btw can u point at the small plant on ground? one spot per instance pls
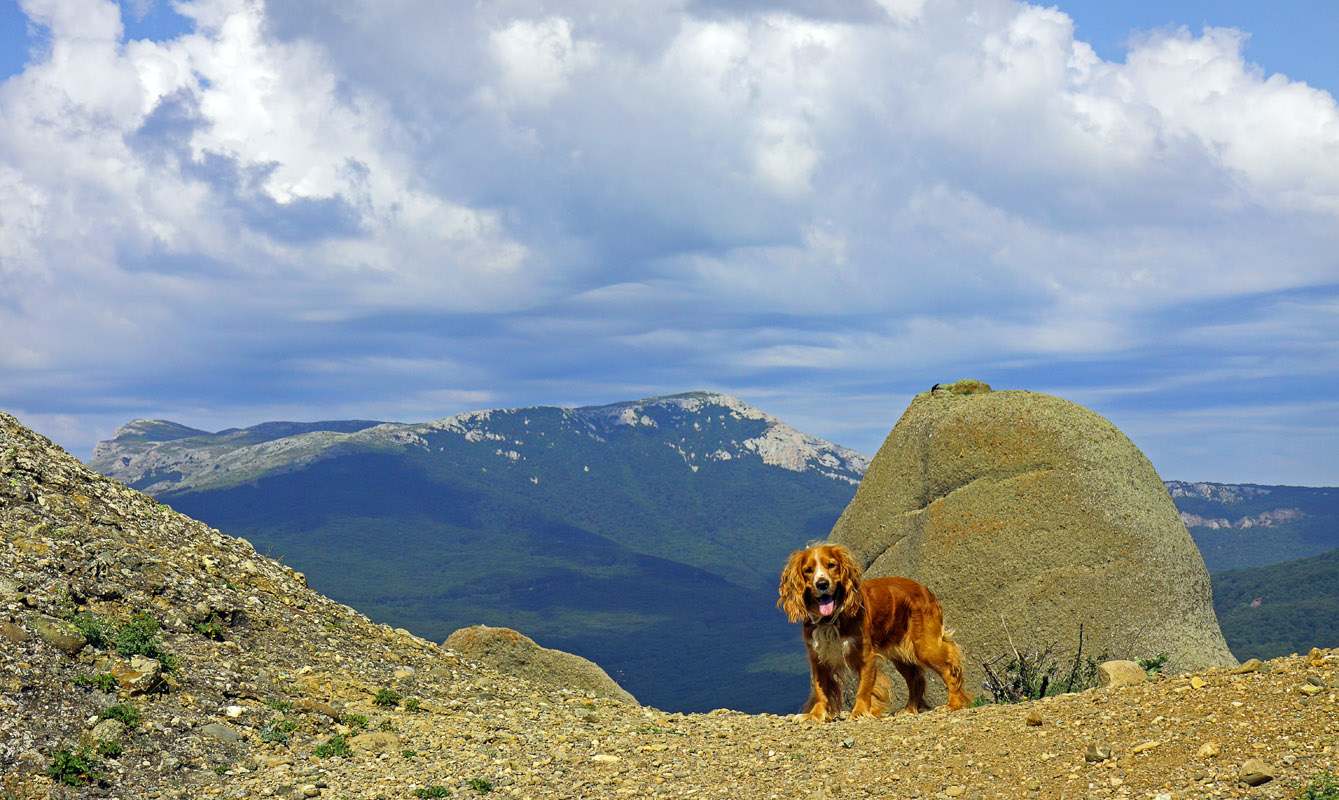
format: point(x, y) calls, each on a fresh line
point(335, 746)
point(479, 785)
point(386, 725)
point(97, 630)
point(139, 636)
point(411, 704)
point(281, 705)
point(408, 753)
point(437, 790)
point(658, 729)
point(74, 767)
point(387, 697)
point(277, 731)
point(1034, 673)
point(124, 712)
point(109, 748)
point(210, 628)
point(1152, 666)
point(1324, 786)
point(353, 720)
point(104, 681)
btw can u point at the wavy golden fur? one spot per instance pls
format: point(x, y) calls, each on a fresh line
point(850, 623)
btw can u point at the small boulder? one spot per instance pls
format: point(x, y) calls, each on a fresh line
point(107, 730)
point(310, 706)
point(1096, 752)
point(1120, 673)
point(376, 742)
point(13, 632)
point(1251, 665)
point(513, 653)
point(220, 732)
point(60, 634)
point(138, 675)
point(1255, 772)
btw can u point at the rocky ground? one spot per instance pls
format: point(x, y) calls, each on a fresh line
point(255, 686)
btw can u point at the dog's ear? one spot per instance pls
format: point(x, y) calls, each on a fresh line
point(792, 587)
point(848, 574)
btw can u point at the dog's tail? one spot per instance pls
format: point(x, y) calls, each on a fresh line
point(954, 653)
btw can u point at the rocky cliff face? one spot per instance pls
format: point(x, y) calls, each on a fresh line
point(1028, 515)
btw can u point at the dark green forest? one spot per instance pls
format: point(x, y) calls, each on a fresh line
point(1279, 609)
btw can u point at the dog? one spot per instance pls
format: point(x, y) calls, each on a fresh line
point(850, 623)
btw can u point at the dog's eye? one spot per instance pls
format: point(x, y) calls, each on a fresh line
point(832, 565)
point(808, 570)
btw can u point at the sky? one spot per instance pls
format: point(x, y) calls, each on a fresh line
point(223, 212)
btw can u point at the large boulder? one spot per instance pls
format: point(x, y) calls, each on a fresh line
point(1028, 516)
point(512, 653)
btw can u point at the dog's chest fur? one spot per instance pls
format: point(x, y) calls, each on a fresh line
point(830, 646)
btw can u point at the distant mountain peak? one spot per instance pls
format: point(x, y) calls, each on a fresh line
point(702, 427)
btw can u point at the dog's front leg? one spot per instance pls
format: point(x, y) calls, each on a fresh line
point(870, 701)
point(825, 692)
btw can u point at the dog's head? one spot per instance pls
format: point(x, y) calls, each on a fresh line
point(820, 582)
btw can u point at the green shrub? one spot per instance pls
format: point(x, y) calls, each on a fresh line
point(109, 748)
point(210, 629)
point(354, 720)
point(479, 785)
point(276, 731)
point(1153, 665)
point(1034, 673)
point(387, 697)
point(1324, 786)
point(74, 767)
point(335, 746)
point(124, 712)
point(139, 637)
point(411, 704)
point(104, 681)
point(98, 631)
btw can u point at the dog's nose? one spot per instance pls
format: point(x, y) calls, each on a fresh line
point(821, 584)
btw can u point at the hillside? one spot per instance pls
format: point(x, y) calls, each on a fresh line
point(273, 693)
point(641, 535)
point(1248, 525)
point(1281, 608)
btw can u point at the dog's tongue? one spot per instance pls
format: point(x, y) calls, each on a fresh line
point(825, 606)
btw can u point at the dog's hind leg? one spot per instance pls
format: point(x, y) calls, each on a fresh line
point(945, 658)
point(915, 678)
